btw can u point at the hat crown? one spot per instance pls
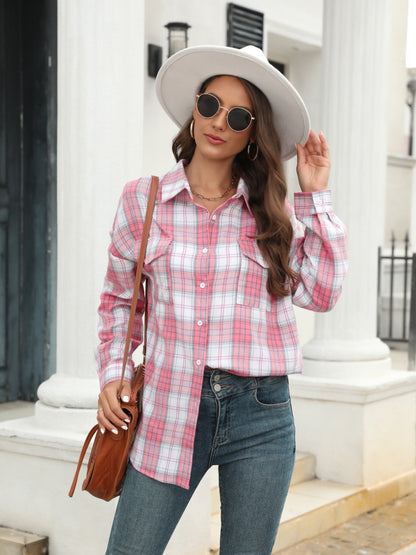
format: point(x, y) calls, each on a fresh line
point(255, 52)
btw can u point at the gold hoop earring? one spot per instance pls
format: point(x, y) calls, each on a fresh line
point(250, 155)
point(191, 129)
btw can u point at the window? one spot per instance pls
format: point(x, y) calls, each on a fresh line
point(244, 27)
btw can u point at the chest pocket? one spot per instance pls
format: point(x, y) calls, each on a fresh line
point(156, 266)
point(252, 280)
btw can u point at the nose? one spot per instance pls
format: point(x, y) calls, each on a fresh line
point(220, 119)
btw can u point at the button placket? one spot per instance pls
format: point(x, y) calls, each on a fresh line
point(202, 292)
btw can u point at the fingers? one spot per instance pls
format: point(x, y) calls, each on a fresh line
point(110, 415)
point(125, 392)
point(300, 153)
point(316, 145)
point(313, 163)
point(313, 145)
point(324, 145)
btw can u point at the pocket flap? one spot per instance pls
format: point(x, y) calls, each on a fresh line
point(156, 246)
point(250, 248)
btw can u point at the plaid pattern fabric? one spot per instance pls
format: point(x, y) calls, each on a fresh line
point(208, 304)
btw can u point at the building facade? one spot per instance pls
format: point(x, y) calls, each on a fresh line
point(109, 129)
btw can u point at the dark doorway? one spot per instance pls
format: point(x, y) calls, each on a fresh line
point(28, 115)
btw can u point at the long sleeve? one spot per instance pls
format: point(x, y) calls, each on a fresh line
point(319, 251)
point(117, 292)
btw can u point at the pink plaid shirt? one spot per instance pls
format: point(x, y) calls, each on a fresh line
point(208, 304)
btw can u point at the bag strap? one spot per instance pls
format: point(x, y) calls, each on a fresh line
point(87, 441)
point(146, 228)
point(145, 235)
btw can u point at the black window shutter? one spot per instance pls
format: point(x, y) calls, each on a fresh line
point(279, 66)
point(244, 27)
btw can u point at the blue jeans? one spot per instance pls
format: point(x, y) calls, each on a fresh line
point(245, 426)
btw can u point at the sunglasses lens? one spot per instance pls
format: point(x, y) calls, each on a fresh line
point(207, 105)
point(239, 119)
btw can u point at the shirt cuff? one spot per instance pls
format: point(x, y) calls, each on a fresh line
point(307, 204)
point(113, 372)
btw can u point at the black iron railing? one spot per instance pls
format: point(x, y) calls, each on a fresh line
point(397, 320)
point(412, 326)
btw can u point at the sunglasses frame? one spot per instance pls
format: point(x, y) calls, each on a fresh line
point(228, 110)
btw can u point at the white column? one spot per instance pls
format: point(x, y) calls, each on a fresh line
point(354, 118)
point(349, 405)
point(101, 71)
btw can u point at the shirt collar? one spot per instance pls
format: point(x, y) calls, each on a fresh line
point(175, 181)
point(242, 191)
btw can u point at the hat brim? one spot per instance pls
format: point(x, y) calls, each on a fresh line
point(181, 76)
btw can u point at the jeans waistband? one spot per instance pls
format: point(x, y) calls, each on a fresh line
point(221, 383)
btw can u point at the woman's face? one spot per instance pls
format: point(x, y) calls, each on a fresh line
point(213, 137)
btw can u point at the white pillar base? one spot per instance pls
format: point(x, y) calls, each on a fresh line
point(65, 390)
point(362, 431)
point(67, 403)
point(37, 465)
point(76, 420)
point(334, 369)
point(332, 358)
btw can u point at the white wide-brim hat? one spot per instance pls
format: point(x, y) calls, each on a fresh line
point(180, 78)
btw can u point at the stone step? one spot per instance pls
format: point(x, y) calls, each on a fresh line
point(16, 409)
point(305, 468)
point(16, 542)
point(314, 507)
point(317, 506)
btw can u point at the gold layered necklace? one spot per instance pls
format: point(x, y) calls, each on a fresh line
point(225, 193)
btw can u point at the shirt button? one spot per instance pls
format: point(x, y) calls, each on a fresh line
point(214, 217)
point(217, 387)
point(202, 285)
point(205, 250)
point(198, 362)
point(200, 322)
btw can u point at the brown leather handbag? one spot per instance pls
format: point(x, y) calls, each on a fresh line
point(110, 452)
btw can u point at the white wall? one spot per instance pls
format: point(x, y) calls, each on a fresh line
point(397, 109)
point(400, 198)
point(400, 177)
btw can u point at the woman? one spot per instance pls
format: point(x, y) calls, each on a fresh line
point(227, 259)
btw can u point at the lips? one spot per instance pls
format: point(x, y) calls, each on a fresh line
point(214, 140)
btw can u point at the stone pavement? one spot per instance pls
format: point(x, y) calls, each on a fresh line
point(386, 530)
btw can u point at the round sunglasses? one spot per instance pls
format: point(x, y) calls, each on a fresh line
point(238, 118)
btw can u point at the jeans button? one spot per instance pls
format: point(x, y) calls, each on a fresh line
point(217, 378)
point(217, 387)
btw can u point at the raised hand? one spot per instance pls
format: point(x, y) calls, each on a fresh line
point(314, 163)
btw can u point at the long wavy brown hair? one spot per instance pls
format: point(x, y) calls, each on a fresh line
point(266, 183)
